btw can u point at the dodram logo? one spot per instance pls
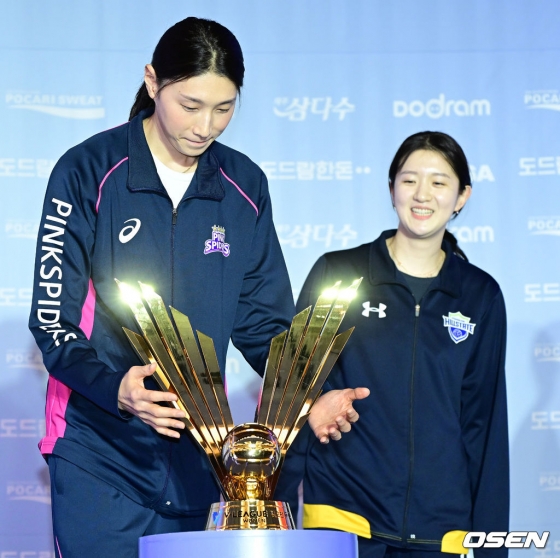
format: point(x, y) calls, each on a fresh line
point(473, 234)
point(80, 107)
point(440, 106)
point(459, 542)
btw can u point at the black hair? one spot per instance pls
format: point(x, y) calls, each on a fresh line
point(451, 151)
point(190, 48)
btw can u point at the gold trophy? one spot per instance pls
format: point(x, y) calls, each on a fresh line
point(246, 459)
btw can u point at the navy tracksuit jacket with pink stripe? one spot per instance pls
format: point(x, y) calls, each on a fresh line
point(106, 215)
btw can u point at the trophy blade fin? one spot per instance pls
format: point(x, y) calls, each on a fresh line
point(143, 351)
point(194, 405)
point(289, 355)
point(323, 345)
point(200, 378)
point(270, 377)
point(214, 389)
point(303, 408)
point(164, 326)
point(175, 350)
point(311, 336)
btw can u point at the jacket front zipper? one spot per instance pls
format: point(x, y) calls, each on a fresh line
point(173, 223)
point(404, 534)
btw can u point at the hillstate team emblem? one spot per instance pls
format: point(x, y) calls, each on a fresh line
point(459, 326)
point(218, 242)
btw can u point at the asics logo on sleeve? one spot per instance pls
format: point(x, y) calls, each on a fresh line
point(129, 232)
point(380, 311)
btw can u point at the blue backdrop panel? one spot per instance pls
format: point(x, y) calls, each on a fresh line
point(332, 89)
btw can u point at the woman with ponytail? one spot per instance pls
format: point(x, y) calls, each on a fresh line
point(430, 453)
point(156, 200)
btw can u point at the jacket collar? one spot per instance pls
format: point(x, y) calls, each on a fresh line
point(142, 173)
point(382, 269)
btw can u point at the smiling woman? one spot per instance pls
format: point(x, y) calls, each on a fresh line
point(430, 453)
point(430, 183)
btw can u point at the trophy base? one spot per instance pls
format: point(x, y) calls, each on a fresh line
point(250, 514)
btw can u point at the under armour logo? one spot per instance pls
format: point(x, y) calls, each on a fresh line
point(129, 232)
point(368, 309)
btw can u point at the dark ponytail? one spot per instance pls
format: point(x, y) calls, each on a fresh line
point(450, 237)
point(141, 101)
point(451, 151)
point(189, 48)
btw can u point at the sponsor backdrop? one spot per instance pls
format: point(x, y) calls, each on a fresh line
point(332, 89)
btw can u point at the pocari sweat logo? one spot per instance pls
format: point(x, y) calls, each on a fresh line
point(440, 106)
point(548, 99)
point(547, 352)
point(549, 226)
point(21, 228)
point(80, 107)
point(27, 553)
point(24, 358)
point(30, 491)
point(549, 481)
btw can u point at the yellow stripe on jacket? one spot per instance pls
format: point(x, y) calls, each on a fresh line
point(319, 516)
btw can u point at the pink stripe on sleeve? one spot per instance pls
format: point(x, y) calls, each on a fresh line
point(55, 424)
point(88, 311)
point(104, 179)
point(58, 393)
point(240, 190)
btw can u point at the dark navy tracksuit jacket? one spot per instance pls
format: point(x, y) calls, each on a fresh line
point(429, 453)
point(106, 215)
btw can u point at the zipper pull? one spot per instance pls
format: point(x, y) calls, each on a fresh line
point(174, 221)
point(417, 310)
